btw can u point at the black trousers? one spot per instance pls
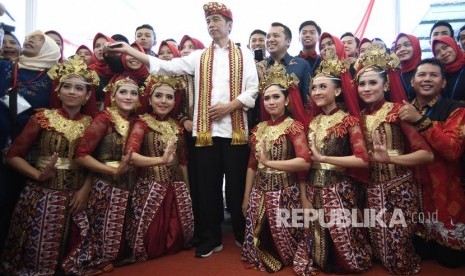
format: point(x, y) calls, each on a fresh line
point(214, 162)
point(193, 182)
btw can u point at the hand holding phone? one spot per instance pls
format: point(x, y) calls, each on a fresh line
point(115, 45)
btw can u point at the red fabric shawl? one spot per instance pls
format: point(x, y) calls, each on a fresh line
point(197, 43)
point(173, 48)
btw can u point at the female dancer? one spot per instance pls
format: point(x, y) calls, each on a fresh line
point(48, 222)
point(162, 220)
point(392, 193)
point(101, 151)
point(278, 162)
point(337, 144)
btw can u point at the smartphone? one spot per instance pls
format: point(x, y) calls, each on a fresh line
point(116, 45)
point(258, 54)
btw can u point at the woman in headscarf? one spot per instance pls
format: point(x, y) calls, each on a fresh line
point(189, 44)
point(278, 164)
point(364, 43)
point(446, 50)
point(186, 46)
point(49, 220)
point(56, 36)
point(101, 66)
point(11, 47)
point(85, 53)
point(161, 220)
point(136, 71)
point(133, 68)
point(168, 51)
point(332, 45)
point(408, 50)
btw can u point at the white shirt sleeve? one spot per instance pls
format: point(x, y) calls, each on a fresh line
point(250, 81)
point(176, 66)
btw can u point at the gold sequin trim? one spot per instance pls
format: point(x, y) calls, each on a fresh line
point(71, 129)
point(322, 123)
point(168, 129)
point(271, 134)
point(372, 122)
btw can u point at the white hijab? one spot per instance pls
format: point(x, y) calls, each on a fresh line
point(48, 55)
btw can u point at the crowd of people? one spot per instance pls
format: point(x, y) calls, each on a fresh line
point(348, 153)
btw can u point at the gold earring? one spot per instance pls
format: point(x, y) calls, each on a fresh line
point(136, 106)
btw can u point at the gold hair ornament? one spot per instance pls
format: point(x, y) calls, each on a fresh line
point(175, 82)
point(114, 86)
point(376, 55)
point(277, 75)
point(331, 67)
point(73, 68)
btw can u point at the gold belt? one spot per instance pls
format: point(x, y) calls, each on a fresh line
point(393, 152)
point(113, 164)
point(264, 169)
point(61, 164)
point(327, 166)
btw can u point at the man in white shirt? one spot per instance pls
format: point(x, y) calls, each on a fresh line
point(226, 86)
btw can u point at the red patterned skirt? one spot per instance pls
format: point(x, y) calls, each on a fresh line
point(42, 231)
point(393, 243)
point(161, 219)
point(106, 210)
point(350, 251)
point(268, 245)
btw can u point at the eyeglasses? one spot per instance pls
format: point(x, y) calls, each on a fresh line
point(35, 38)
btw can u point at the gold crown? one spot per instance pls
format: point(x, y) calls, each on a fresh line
point(376, 55)
point(114, 86)
point(154, 81)
point(331, 66)
point(73, 67)
point(277, 75)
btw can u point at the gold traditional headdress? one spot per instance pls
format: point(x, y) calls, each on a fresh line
point(277, 75)
point(73, 68)
point(112, 87)
point(331, 67)
point(154, 81)
point(217, 8)
point(376, 55)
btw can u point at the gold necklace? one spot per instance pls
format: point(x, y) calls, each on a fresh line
point(168, 129)
point(120, 123)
